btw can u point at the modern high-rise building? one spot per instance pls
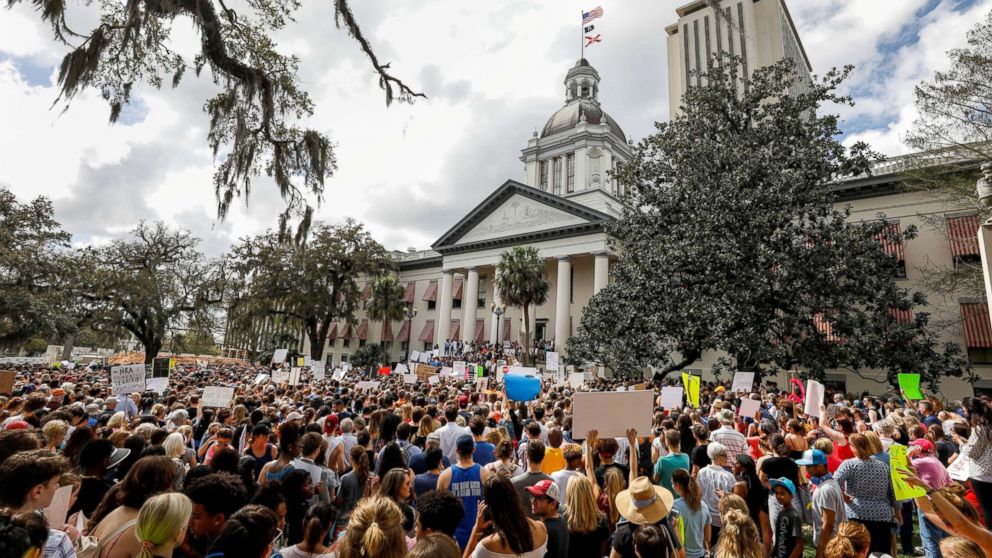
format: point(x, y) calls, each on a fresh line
point(760, 32)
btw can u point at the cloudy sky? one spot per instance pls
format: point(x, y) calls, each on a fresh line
point(493, 72)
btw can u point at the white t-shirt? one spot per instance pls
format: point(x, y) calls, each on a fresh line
point(295, 552)
point(827, 496)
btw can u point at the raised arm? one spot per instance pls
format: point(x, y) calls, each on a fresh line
point(590, 471)
point(952, 516)
point(632, 442)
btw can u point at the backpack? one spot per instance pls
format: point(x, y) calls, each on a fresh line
point(90, 547)
point(407, 453)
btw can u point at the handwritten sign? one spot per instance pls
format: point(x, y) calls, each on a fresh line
point(551, 361)
point(279, 356)
point(7, 381)
point(280, 376)
point(217, 396)
point(409, 378)
point(262, 376)
point(898, 465)
point(576, 379)
point(127, 379)
point(743, 382)
point(294, 376)
point(415, 356)
point(338, 375)
point(425, 357)
point(158, 385)
point(748, 407)
point(632, 409)
point(433, 380)
point(401, 369)
point(458, 368)
point(319, 370)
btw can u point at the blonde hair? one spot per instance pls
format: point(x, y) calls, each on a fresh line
point(375, 529)
point(825, 445)
point(850, 541)
point(427, 426)
point(861, 446)
point(583, 514)
point(874, 442)
point(435, 545)
point(614, 483)
point(117, 420)
point(731, 502)
point(175, 445)
point(738, 537)
point(960, 547)
point(160, 520)
point(54, 431)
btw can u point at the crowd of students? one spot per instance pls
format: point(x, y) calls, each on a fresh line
point(324, 469)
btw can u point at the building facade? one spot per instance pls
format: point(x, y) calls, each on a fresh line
point(566, 197)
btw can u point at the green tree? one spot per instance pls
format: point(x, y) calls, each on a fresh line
point(385, 302)
point(520, 282)
point(253, 120)
point(731, 243)
point(33, 276)
point(308, 283)
point(371, 354)
point(149, 283)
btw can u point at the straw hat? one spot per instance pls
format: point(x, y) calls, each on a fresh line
point(644, 503)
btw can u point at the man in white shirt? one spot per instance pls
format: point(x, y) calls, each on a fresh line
point(573, 468)
point(347, 440)
point(827, 499)
point(734, 441)
point(450, 433)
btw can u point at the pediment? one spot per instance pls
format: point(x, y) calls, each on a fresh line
point(516, 211)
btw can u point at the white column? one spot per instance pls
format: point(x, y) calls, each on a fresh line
point(601, 273)
point(443, 309)
point(470, 301)
point(496, 322)
point(563, 302)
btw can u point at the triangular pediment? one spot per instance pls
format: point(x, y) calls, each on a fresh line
point(516, 211)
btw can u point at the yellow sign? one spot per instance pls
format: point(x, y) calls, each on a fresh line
point(300, 361)
point(899, 463)
point(691, 384)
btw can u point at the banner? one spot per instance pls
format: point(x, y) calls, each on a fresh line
point(899, 464)
point(814, 398)
point(551, 361)
point(910, 385)
point(409, 378)
point(671, 397)
point(279, 356)
point(216, 396)
point(632, 409)
point(743, 382)
point(691, 384)
point(127, 379)
point(280, 377)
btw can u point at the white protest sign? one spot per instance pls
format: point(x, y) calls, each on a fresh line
point(158, 385)
point(409, 378)
point(57, 511)
point(294, 376)
point(633, 409)
point(446, 371)
point(814, 398)
point(551, 361)
point(401, 369)
point(425, 358)
point(307, 361)
point(280, 376)
point(622, 389)
point(433, 379)
point(415, 356)
point(748, 407)
point(338, 375)
point(318, 369)
point(346, 366)
point(279, 356)
point(743, 382)
point(367, 384)
point(576, 378)
point(127, 379)
point(458, 368)
point(436, 353)
point(481, 383)
point(216, 396)
point(262, 376)
point(671, 397)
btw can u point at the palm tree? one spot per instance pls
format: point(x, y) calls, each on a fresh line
point(386, 300)
point(520, 283)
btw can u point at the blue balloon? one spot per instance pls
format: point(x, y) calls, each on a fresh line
point(522, 387)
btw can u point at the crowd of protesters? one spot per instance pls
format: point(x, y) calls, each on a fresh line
point(454, 468)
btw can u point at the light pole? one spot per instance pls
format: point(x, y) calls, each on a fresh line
point(498, 311)
point(410, 312)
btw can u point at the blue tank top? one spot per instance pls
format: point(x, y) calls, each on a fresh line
point(269, 476)
point(467, 485)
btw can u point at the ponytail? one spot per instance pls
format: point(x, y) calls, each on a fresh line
point(318, 521)
point(850, 541)
point(690, 488)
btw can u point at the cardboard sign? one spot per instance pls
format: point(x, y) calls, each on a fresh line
point(576, 379)
point(743, 382)
point(158, 385)
point(217, 396)
point(425, 371)
point(409, 378)
point(262, 376)
point(127, 379)
point(899, 464)
point(671, 397)
point(415, 356)
point(280, 376)
point(551, 361)
point(433, 380)
point(294, 376)
point(458, 368)
point(57, 511)
point(632, 409)
point(7, 381)
point(638, 387)
point(910, 385)
point(814, 398)
point(279, 356)
point(748, 407)
point(319, 370)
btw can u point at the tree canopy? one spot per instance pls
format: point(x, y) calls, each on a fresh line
point(730, 243)
point(520, 282)
point(254, 121)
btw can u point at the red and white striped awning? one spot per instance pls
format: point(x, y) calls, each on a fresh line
point(431, 294)
point(363, 330)
point(427, 334)
point(456, 289)
point(825, 327)
point(963, 234)
point(901, 316)
point(891, 247)
point(404, 335)
point(411, 293)
point(345, 331)
point(454, 330)
point(977, 329)
point(332, 334)
point(387, 331)
point(480, 330)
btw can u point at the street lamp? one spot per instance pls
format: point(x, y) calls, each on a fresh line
point(410, 312)
point(498, 311)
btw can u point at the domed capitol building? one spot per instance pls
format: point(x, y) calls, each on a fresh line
point(566, 196)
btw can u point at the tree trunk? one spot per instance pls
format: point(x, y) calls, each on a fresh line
point(687, 358)
point(152, 347)
point(316, 344)
point(526, 336)
point(67, 347)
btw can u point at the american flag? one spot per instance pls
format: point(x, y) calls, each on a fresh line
point(595, 13)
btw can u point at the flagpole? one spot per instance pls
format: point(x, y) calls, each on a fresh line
point(582, 37)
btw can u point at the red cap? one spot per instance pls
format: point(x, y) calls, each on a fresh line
point(17, 425)
point(547, 488)
point(463, 400)
point(926, 446)
point(330, 424)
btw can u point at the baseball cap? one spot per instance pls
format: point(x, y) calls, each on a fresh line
point(17, 425)
point(926, 446)
point(546, 488)
point(784, 482)
point(463, 400)
point(465, 444)
point(434, 436)
point(812, 457)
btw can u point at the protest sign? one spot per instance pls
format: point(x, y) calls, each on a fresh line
point(436, 353)
point(280, 376)
point(367, 384)
point(415, 356)
point(346, 366)
point(262, 376)
point(458, 368)
point(632, 409)
point(424, 371)
point(899, 464)
point(501, 371)
point(385, 370)
point(432, 380)
point(481, 384)
point(425, 358)
point(637, 387)
point(307, 361)
point(576, 379)
point(58, 510)
point(319, 369)
point(294, 376)
point(409, 378)
point(480, 371)
point(338, 375)
point(158, 385)
point(691, 384)
point(447, 371)
point(522, 386)
point(300, 362)
point(743, 382)
point(7, 381)
point(279, 356)
point(401, 369)
point(551, 361)
point(671, 397)
point(748, 407)
point(161, 367)
point(127, 379)
point(217, 396)
point(910, 385)
point(814, 398)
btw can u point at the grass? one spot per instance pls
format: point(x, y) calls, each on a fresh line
point(809, 550)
